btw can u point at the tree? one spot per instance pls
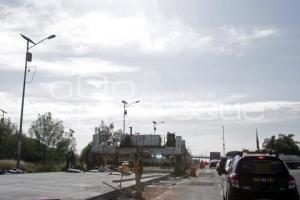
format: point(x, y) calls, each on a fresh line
point(47, 131)
point(62, 147)
point(284, 144)
point(31, 148)
point(107, 134)
point(7, 137)
point(86, 156)
point(269, 143)
point(116, 137)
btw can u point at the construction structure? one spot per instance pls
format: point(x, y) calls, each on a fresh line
point(172, 154)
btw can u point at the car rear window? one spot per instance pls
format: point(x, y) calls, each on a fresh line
point(267, 165)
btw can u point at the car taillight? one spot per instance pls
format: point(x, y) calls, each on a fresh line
point(234, 180)
point(292, 182)
point(260, 158)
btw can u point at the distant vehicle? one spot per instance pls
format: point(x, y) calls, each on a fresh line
point(11, 171)
point(221, 166)
point(292, 161)
point(214, 155)
point(232, 154)
point(259, 177)
point(213, 163)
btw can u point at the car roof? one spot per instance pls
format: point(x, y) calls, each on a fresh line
point(258, 155)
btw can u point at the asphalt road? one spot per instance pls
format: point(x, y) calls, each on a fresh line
point(61, 185)
point(207, 186)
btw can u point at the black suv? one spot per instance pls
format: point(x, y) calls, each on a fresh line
point(259, 177)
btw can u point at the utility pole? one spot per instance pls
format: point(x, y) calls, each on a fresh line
point(223, 141)
point(124, 114)
point(257, 142)
point(73, 140)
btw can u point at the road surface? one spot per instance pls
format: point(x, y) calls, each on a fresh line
point(207, 186)
point(61, 185)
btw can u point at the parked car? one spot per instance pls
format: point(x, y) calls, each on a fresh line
point(259, 176)
point(221, 166)
point(213, 163)
point(228, 164)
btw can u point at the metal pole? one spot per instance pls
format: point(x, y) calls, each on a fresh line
point(223, 142)
point(22, 107)
point(124, 113)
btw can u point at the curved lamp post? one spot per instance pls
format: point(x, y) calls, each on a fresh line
point(28, 58)
point(3, 112)
point(126, 105)
point(154, 125)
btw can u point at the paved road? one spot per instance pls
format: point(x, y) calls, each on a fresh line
point(207, 186)
point(68, 186)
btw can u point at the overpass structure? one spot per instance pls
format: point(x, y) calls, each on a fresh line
point(200, 156)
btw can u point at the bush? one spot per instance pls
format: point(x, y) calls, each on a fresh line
point(32, 167)
point(7, 164)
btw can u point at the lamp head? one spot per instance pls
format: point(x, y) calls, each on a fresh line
point(51, 36)
point(3, 111)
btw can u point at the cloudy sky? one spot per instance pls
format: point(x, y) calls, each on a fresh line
point(197, 65)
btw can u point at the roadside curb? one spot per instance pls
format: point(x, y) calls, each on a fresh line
point(116, 193)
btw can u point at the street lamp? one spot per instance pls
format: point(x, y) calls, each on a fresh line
point(28, 58)
point(3, 112)
point(126, 105)
point(154, 125)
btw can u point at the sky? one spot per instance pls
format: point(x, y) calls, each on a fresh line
point(196, 65)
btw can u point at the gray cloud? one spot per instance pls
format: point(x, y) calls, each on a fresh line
point(185, 62)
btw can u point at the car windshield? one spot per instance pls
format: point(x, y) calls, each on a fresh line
point(262, 166)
